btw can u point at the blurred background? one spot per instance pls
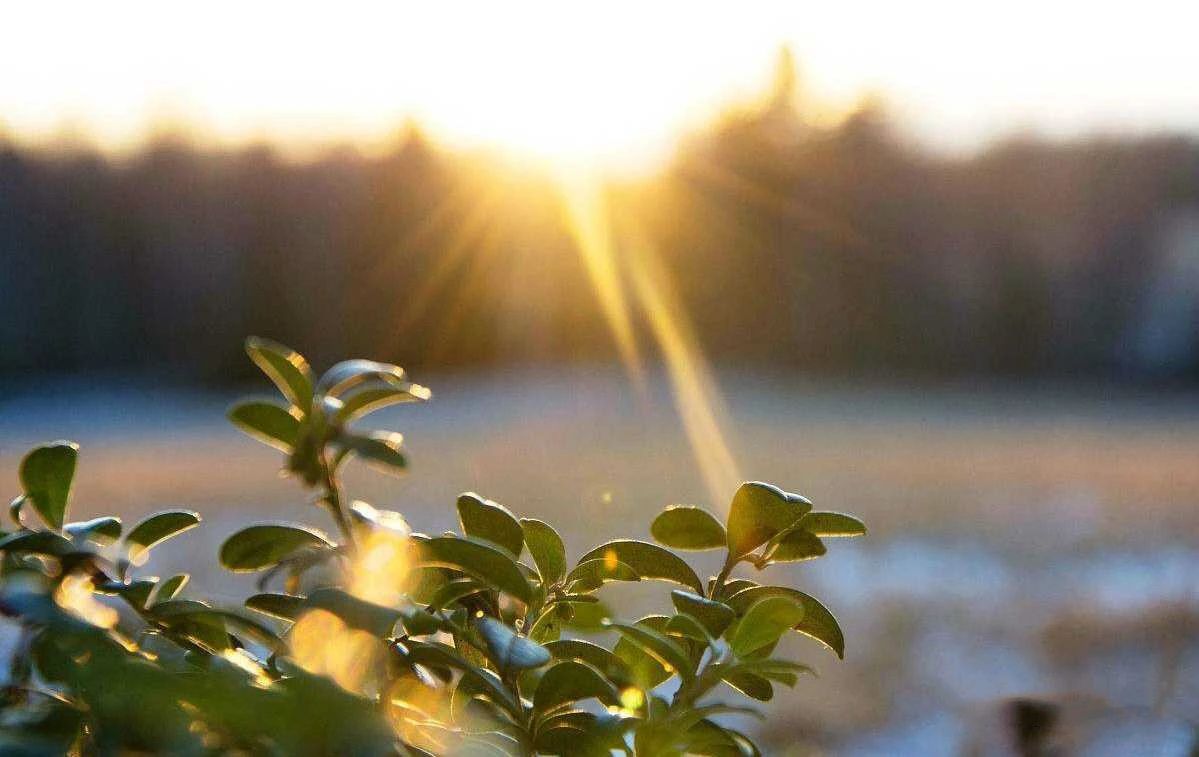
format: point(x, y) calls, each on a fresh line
point(932, 265)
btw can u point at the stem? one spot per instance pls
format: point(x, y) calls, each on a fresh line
point(718, 585)
point(332, 499)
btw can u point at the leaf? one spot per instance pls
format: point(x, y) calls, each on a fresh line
point(268, 423)
point(286, 368)
point(453, 591)
point(168, 589)
point(46, 473)
point(382, 449)
point(157, 528)
point(648, 560)
point(482, 562)
point(764, 622)
point(688, 527)
point(715, 616)
point(656, 644)
point(265, 544)
point(817, 622)
point(491, 521)
point(136, 593)
point(38, 542)
point(589, 575)
point(571, 681)
point(351, 373)
point(688, 627)
point(828, 525)
point(509, 650)
point(388, 520)
point(603, 660)
point(795, 545)
point(356, 613)
point(760, 511)
point(432, 654)
point(369, 400)
point(282, 606)
point(107, 528)
point(547, 549)
point(750, 684)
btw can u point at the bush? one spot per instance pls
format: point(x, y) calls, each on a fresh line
point(384, 641)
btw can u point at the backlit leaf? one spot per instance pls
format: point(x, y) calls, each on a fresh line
point(760, 511)
point(688, 527)
point(157, 528)
point(268, 423)
point(265, 544)
point(648, 560)
point(484, 519)
point(571, 681)
point(715, 616)
point(827, 524)
point(545, 545)
point(480, 561)
point(764, 622)
point(46, 473)
point(817, 621)
point(285, 367)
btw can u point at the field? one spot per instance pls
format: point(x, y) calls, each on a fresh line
point(1024, 541)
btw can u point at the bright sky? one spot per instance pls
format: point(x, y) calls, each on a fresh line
point(613, 79)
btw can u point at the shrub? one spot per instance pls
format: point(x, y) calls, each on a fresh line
point(384, 641)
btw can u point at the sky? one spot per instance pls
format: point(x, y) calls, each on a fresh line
point(604, 81)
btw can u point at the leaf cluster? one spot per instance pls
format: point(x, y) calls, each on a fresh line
point(491, 640)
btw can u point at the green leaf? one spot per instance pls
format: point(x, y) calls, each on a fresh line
point(389, 520)
point(827, 524)
point(419, 622)
point(491, 521)
point(764, 622)
point(136, 593)
point(603, 660)
point(436, 655)
point(480, 561)
point(356, 613)
point(547, 549)
point(509, 650)
point(648, 560)
point(351, 373)
point(818, 622)
point(286, 368)
point(760, 511)
point(688, 627)
point(38, 542)
point(282, 606)
point(589, 575)
point(157, 528)
point(750, 684)
point(715, 616)
point(268, 423)
point(657, 645)
point(795, 545)
point(451, 592)
point(46, 473)
point(688, 527)
point(369, 400)
point(571, 681)
point(382, 449)
point(168, 589)
point(266, 544)
point(107, 528)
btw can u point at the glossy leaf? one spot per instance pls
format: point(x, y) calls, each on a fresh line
point(484, 519)
point(157, 528)
point(352, 373)
point(817, 622)
point(648, 560)
point(285, 367)
point(282, 606)
point(688, 527)
point(656, 644)
point(103, 530)
point(827, 525)
point(589, 575)
point(264, 545)
point(383, 450)
point(268, 423)
point(367, 401)
point(572, 681)
point(168, 588)
point(715, 616)
point(547, 549)
point(482, 562)
point(37, 542)
point(508, 649)
point(750, 684)
point(764, 622)
point(603, 660)
point(46, 473)
point(795, 545)
point(356, 613)
point(760, 511)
